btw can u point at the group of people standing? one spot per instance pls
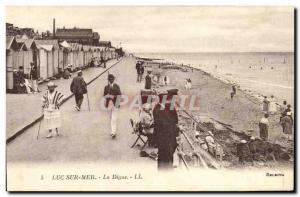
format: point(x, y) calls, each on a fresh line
point(98, 63)
point(149, 78)
point(269, 107)
point(24, 83)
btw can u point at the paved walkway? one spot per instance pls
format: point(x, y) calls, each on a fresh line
point(22, 109)
point(85, 136)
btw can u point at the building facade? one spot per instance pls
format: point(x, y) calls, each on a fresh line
point(78, 35)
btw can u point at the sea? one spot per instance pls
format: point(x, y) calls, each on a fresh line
point(258, 73)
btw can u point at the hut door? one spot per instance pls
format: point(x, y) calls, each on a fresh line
point(34, 57)
point(9, 69)
point(65, 59)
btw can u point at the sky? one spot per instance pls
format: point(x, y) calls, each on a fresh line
point(172, 29)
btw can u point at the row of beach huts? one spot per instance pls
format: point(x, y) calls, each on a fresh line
point(50, 56)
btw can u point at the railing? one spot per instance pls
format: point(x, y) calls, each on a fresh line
point(202, 157)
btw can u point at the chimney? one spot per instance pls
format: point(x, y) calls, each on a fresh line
point(54, 28)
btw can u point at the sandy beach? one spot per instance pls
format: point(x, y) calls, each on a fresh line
point(242, 114)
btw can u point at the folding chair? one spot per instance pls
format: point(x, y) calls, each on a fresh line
point(137, 129)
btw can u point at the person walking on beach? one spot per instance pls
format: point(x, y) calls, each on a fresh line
point(78, 88)
point(263, 127)
point(265, 105)
point(287, 124)
point(112, 94)
point(233, 92)
point(52, 100)
point(33, 77)
point(165, 129)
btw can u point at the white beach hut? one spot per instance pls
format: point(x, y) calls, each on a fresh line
point(87, 54)
point(46, 60)
point(65, 49)
point(11, 48)
point(52, 56)
point(27, 53)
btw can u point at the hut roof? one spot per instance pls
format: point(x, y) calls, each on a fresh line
point(65, 44)
point(75, 46)
point(22, 46)
point(30, 43)
point(11, 43)
point(95, 48)
point(25, 44)
point(86, 48)
point(102, 48)
point(46, 47)
point(48, 42)
point(80, 47)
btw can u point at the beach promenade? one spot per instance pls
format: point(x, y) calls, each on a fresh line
point(22, 109)
point(85, 135)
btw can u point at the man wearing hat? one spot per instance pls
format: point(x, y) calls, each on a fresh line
point(78, 88)
point(112, 94)
point(52, 100)
point(33, 77)
point(165, 129)
point(148, 80)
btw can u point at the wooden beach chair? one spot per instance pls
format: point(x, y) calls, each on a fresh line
point(138, 131)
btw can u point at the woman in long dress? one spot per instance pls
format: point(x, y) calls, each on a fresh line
point(265, 105)
point(287, 124)
point(272, 105)
point(52, 100)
